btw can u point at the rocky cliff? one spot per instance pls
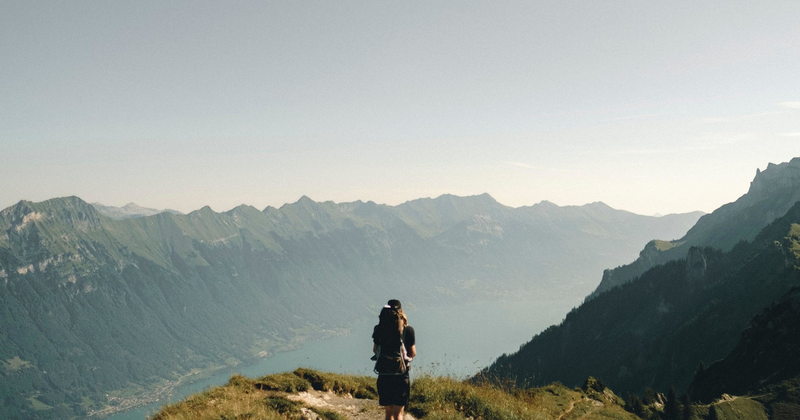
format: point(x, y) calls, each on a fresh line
point(772, 192)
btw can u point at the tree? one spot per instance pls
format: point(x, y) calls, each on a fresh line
point(592, 384)
point(634, 405)
point(687, 406)
point(712, 413)
point(672, 408)
point(649, 396)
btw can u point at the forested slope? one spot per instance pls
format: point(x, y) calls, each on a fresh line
point(656, 330)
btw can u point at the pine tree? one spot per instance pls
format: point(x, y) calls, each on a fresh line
point(672, 408)
point(649, 396)
point(634, 405)
point(687, 406)
point(712, 413)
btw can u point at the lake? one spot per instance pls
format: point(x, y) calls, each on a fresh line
point(455, 341)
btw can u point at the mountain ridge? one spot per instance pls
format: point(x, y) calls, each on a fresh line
point(130, 210)
point(654, 330)
point(139, 301)
point(770, 195)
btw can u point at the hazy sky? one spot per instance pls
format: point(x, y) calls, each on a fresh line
point(652, 107)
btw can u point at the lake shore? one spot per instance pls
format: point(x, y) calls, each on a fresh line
point(167, 389)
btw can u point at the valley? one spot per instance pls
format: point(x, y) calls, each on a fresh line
point(97, 304)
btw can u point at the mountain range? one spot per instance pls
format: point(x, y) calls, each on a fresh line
point(736, 270)
point(129, 211)
point(96, 308)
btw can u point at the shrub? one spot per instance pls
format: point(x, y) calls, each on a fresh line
point(363, 387)
point(286, 382)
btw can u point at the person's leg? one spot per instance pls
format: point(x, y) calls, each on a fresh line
point(394, 412)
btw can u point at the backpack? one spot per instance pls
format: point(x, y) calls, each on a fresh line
point(389, 364)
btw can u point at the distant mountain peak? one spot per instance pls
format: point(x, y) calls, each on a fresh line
point(775, 177)
point(772, 193)
point(74, 211)
point(128, 211)
point(204, 209)
point(303, 202)
point(243, 207)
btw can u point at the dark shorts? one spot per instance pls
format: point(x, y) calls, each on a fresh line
point(393, 389)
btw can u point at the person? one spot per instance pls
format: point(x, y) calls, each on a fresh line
point(394, 389)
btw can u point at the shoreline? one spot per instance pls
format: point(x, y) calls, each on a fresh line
point(170, 387)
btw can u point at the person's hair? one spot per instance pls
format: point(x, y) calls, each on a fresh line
point(395, 304)
point(392, 319)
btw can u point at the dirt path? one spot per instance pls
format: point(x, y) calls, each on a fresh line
point(569, 410)
point(591, 406)
point(352, 408)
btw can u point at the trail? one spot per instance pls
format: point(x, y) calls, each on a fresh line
point(593, 407)
point(366, 409)
point(569, 410)
point(349, 407)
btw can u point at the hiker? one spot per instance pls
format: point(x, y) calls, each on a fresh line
point(394, 348)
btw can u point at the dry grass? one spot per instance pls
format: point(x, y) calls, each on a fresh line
point(265, 397)
point(432, 398)
point(230, 402)
point(447, 399)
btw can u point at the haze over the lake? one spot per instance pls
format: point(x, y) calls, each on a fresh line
point(649, 107)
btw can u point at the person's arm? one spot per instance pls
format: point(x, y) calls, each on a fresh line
point(411, 351)
point(374, 349)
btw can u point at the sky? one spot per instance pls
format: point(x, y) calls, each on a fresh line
point(651, 107)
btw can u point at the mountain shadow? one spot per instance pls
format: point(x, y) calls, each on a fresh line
point(765, 361)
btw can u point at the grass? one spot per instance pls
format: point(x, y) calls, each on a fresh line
point(264, 398)
point(740, 408)
point(363, 387)
point(665, 245)
point(432, 398)
point(328, 414)
point(38, 405)
point(447, 399)
point(794, 238)
point(15, 364)
point(285, 382)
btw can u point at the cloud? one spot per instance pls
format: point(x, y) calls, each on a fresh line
point(792, 105)
point(521, 165)
point(742, 117)
point(790, 134)
point(638, 151)
point(630, 117)
point(715, 141)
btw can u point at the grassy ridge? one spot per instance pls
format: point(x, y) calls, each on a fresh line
point(434, 398)
point(441, 398)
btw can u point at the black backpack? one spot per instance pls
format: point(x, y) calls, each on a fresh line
point(387, 363)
